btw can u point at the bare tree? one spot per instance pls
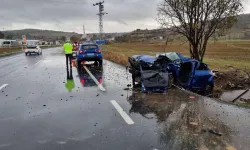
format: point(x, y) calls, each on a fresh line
point(198, 20)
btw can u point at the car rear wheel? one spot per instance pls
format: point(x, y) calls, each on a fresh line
point(100, 63)
point(79, 64)
point(26, 54)
point(208, 90)
point(38, 53)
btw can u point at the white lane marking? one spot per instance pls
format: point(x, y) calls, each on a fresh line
point(95, 80)
point(46, 61)
point(122, 112)
point(3, 86)
point(37, 62)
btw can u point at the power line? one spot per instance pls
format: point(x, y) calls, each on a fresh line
point(100, 14)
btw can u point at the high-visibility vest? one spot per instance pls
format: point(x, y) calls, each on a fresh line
point(67, 47)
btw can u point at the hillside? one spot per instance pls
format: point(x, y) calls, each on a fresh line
point(50, 35)
point(38, 34)
point(241, 31)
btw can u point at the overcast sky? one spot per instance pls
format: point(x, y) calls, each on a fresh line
point(70, 15)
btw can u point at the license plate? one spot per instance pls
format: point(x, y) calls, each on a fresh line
point(74, 54)
point(91, 54)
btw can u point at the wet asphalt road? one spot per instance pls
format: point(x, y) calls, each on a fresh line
point(38, 112)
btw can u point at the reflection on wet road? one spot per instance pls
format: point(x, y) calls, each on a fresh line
point(41, 109)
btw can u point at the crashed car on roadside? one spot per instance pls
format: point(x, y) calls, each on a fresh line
point(171, 68)
point(151, 73)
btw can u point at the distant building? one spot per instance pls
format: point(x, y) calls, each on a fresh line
point(111, 39)
point(57, 43)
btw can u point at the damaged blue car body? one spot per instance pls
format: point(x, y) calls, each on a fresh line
point(160, 72)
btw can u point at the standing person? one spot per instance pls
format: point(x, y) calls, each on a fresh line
point(67, 47)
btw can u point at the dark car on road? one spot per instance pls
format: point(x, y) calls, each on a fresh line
point(89, 52)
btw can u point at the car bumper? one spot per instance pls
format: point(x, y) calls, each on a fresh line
point(31, 51)
point(89, 58)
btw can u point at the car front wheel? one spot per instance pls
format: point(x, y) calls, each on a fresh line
point(170, 80)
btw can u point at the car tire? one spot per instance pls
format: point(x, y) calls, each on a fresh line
point(170, 80)
point(100, 62)
point(79, 64)
point(38, 53)
point(41, 53)
point(208, 90)
point(95, 63)
point(26, 54)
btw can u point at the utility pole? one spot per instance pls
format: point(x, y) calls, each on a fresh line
point(100, 14)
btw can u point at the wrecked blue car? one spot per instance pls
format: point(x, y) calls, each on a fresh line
point(152, 73)
point(161, 72)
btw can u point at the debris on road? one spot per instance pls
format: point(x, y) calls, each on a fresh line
point(193, 123)
point(44, 105)
point(191, 97)
point(214, 132)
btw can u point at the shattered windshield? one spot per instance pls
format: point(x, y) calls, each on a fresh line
point(171, 55)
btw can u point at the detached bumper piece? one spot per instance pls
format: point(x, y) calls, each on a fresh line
point(154, 81)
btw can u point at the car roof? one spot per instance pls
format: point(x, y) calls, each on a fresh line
point(89, 44)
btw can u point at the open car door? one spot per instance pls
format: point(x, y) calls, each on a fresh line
point(186, 74)
point(202, 81)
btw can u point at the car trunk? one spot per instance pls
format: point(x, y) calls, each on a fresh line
point(90, 49)
point(31, 48)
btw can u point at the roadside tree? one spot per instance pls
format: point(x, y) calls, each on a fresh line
point(198, 20)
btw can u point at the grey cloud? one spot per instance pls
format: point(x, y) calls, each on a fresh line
point(124, 12)
point(45, 10)
point(122, 22)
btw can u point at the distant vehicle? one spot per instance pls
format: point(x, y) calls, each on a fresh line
point(10, 43)
point(100, 42)
point(29, 49)
point(89, 52)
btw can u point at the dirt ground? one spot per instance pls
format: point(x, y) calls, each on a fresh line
point(229, 58)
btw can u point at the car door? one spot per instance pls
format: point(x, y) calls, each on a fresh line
point(201, 76)
point(186, 74)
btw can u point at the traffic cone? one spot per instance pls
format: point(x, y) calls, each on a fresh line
point(73, 63)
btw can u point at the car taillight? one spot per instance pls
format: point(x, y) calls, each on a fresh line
point(80, 51)
point(82, 81)
point(99, 51)
point(100, 80)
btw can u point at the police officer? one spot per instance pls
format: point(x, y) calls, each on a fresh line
point(67, 47)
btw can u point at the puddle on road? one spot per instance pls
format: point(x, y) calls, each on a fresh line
point(183, 121)
point(232, 95)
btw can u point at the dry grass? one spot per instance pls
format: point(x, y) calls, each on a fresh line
point(218, 55)
point(10, 50)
